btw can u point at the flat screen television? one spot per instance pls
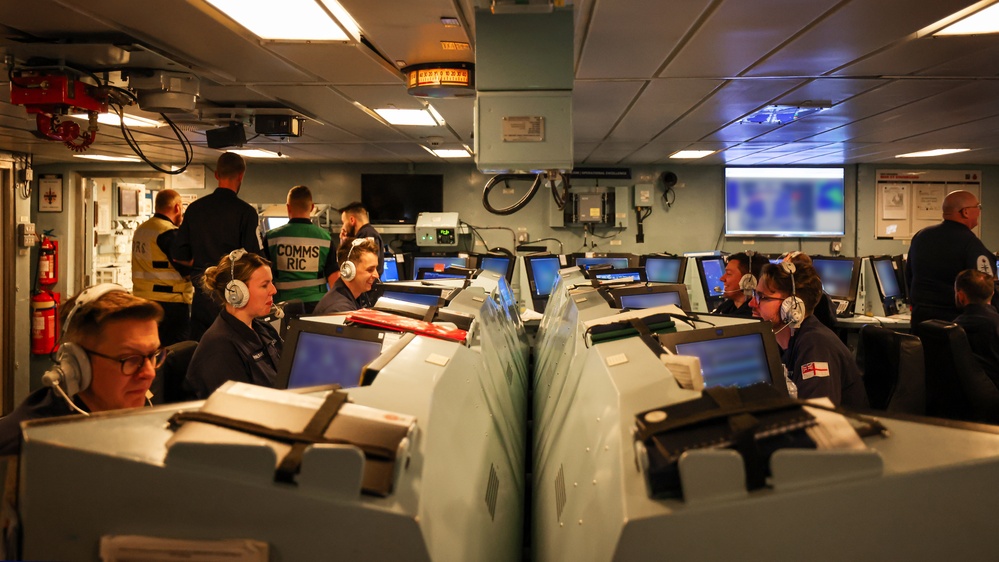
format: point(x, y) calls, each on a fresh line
point(738, 355)
point(436, 263)
point(320, 353)
point(651, 296)
point(787, 202)
point(400, 198)
point(664, 269)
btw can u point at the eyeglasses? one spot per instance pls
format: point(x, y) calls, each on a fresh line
point(760, 297)
point(978, 206)
point(133, 363)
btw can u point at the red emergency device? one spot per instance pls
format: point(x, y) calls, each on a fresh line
point(44, 325)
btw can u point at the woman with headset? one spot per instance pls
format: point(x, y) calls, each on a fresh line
point(814, 358)
point(238, 345)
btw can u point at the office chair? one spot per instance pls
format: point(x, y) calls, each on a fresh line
point(894, 376)
point(168, 387)
point(956, 385)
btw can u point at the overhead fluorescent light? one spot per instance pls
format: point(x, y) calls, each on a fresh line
point(451, 153)
point(288, 20)
point(692, 154)
point(113, 120)
point(981, 22)
point(407, 117)
point(934, 152)
point(104, 158)
point(257, 153)
point(783, 114)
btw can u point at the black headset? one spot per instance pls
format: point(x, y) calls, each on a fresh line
point(236, 292)
point(347, 269)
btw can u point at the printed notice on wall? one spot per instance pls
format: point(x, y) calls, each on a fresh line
point(910, 200)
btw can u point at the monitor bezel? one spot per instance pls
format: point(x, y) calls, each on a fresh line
point(632, 258)
point(711, 301)
point(297, 326)
point(424, 271)
point(529, 268)
point(854, 279)
point(877, 276)
point(381, 289)
point(414, 270)
point(399, 276)
point(680, 288)
point(762, 328)
point(637, 271)
point(510, 263)
point(642, 260)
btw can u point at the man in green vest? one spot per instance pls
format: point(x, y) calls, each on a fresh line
point(157, 277)
point(301, 253)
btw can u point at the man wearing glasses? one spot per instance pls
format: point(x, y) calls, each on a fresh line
point(939, 252)
point(107, 360)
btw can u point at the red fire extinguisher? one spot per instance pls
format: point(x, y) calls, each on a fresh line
point(44, 307)
point(48, 261)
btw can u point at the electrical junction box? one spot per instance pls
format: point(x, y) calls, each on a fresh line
point(437, 229)
point(643, 195)
point(592, 206)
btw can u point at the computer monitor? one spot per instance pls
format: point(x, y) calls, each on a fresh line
point(503, 265)
point(710, 270)
point(270, 223)
point(617, 262)
point(886, 277)
point(737, 355)
point(840, 276)
point(438, 263)
point(542, 272)
point(427, 273)
point(320, 353)
point(664, 269)
point(651, 296)
point(635, 274)
point(391, 272)
point(426, 296)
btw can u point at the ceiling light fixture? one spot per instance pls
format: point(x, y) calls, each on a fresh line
point(934, 152)
point(291, 20)
point(784, 114)
point(104, 158)
point(440, 79)
point(113, 120)
point(451, 153)
point(257, 153)
point(691, 154)
point(982, 22)
point(418, 117)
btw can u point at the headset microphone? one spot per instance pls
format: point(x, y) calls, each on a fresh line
point(719, 290)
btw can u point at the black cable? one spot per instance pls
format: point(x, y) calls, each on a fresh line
point(620, 229)
point(475, 230)
point(505, 178)
point(561, 249)
point(667, 199)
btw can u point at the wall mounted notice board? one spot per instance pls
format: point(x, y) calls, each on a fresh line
point(909, 200)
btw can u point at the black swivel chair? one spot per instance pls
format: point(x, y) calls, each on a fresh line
point(892, 363)
point(956, 385)
point(168, 387)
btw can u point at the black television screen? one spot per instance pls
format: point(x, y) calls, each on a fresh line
point(664, 269)
point(400, 198)
point(791, 202)
point(319, 353)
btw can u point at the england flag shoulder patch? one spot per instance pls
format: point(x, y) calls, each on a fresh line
point(809, 370)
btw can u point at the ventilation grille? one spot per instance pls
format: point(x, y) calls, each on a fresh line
point(560, 492)
point(509, 375)
point(492, 491)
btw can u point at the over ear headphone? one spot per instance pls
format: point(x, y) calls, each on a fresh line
point(71, 373)
point(347, 269)
point(792, 309)
point(749, 282)
point(236, 292)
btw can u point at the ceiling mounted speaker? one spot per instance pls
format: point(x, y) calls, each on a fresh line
point(232, 135)
point(668, 179)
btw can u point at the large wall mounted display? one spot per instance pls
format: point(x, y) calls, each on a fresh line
point(785, 202)
point(910, 200)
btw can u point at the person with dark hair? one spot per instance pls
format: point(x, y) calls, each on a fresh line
point(239, 345)
point(214, 226)
point(973, 292)
point(304, 262)
point(358, 259)
point(815, 359)
point(110, 334)
point(155, 276)
point(356, 225)
point(742, 272)
point(938, 253)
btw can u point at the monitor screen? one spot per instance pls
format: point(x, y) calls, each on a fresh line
point(664, 269)
point(650, 300)
point(791, 202)
point(391, 272)
point(422, 298)
point(615, 275)
point(887, 278)
point(319, 353)
point(615, 262)
point(497, 264)
point(736, 355)
point(425, 273)
point(542, 272)
point(400, 198)
point(270, 223)
point(711, 271)
point(839, 276)
point(436, 263)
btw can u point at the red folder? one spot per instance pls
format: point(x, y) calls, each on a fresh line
point(389, 321)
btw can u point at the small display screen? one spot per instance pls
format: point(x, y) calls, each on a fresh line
point(734, 361)
point(391, 272)
point(544, 272)
point(887, 278)
point(270, 223)
point(713, 270)
point(494, 264)
point(611, 276)
point(426, 299)
point(436, 263)
point(325, 359)
point(663, 270)
point(616, 263)
point(650, 300)
point(431, 274)
point(836, 276)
